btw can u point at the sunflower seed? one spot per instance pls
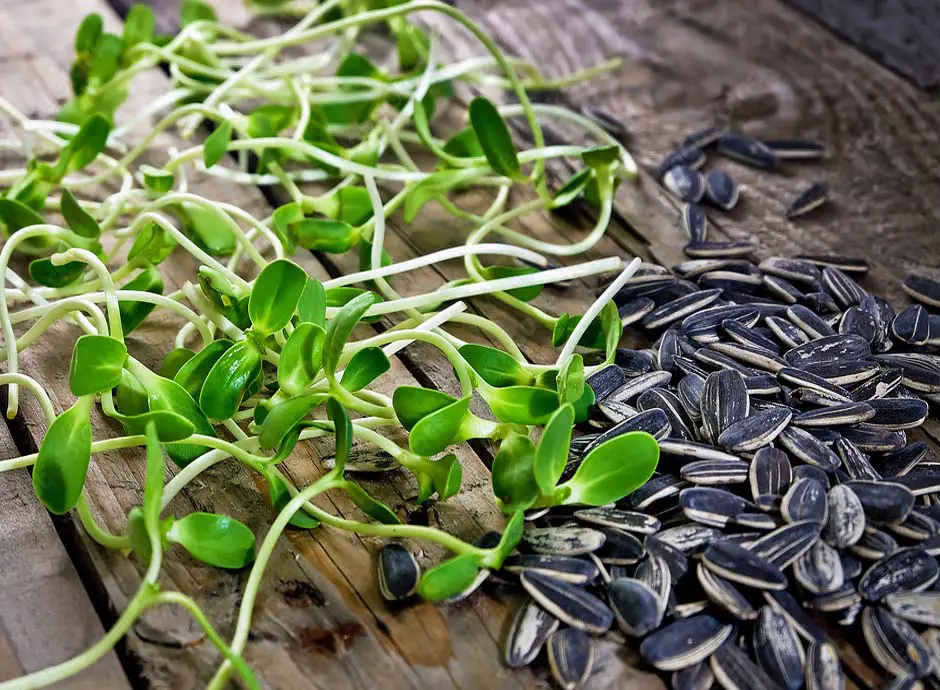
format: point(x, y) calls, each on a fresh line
point(654, 490)
point(874, 544)
point(705, 137)
point(809, 199)
point(912, 326)
point(857, 322)
point(753, 355)
point(564, 541)
point(570, 657)
point(829, 349)
point(668, 402)
point(786, 332)
point(685, 642)
point(635, 605)
point(900, 462)
point(794, 270)
point(688, 537)
point(634, 362)
point(805, 500)
point(823, 669)
point(729, 281)
point(835, 415)
point(654, 422)
point(811, 472)
point(716, 360)
point(710, 506)
point(795, 149)
point(721, 190)
point(893, 643)
point(838, 600)
point(885, 382)
point(687, 449)
point(905, 570)
point(809, 322)
point(713, 473)
point(626, 520)
point(679, 308)
point(843, 263)
point(917, 607)
point(654, 571)
point(746, 150)
point(570, 604)
point(874, 440)
point(724, 402)
point(895, 414)
point(777, 648)
point(846, 523)
point(696, 267)
point(916, 527)
point(845, 291)
point(685, 183)
point(688, 156)
point(577, 571)
point(640, 384)
point(781, 289)
point(769, 476)
point(805, 380)
point(689, 392)
point(696, 677)
point(620, 548)
point(920, 481)
point(398, 572)
point(819, 570)
point(805, 626)
point(924, 290)
point(808, 448)
point(715, 250)
point(921, 371)
point(850, 372)
point(735, 671)
point(742, 566)
point(605, 381)
point(725, 595)
point(695, 222)
point(608, 122)
point(883, 501)
point(757, 430)
point(822, 304)
point(635, 310)
point(530, 628)
point(689, 366)
point(644, 286)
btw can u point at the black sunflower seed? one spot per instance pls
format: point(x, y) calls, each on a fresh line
point(715, 250)
point(640, 384)
point(724, 402)
point(710, 506)
point(570, 657)
point(843, 263)
point(916, 607)
point(898, 413)
point(851, 566)
point(921, 371)
point(668, 402)
point(729, 281)
point(781, 289)
point(654, 490)
point(629, 521)
point(924, 290)
point(777, 648)
point(838, 600)
point(577, 571)
point(530, 628)
point(616, 412)
point(635, 606)
point(620, 548)
point(823, 669)
point(805, 500)
point(900, 462)
point(893, 643)
point(705, 137)
point(725, 595)
point(654, 422)
point(829, 349)
point(643, 286)
point(769, 476)
point(794, 270)
point(808, 448)
point(735, 671)
point(634, 362)
point(916, 527)
point(845, 291)
point(857, 322)
point(912, 326)
point(905, 570)
point(880, 385)
point(762, 384)
point(695, 222)
point(688, 450)
point(604, 381)
point(654, 571)
point(740, 565)
point(786, 332)
point(844, 373)
point(695, 267)
point(688, 537)
point(746, 150)
point(795, 149)
point(688, 156)
point(721, 190)
point(715, 472)
point(685, 642)
point(635, 310)
point(883, 314)
point(819, 570)
point(755, 431)
point(811, 472)
point(716, 360)
point(398, 572)
point(698, 676)
point(809, 322)
point(679, 308)
point(685, 182)
point(835, 415)
point(752, 355)
point(846, 523)
point(804, 625)
point(874, 440)
point(570, 604)
point(564, 541)
point(803, 379)
point(689, 392)
point(874, 544)
point(884, 501)
point(809, 199)
point(822, 304)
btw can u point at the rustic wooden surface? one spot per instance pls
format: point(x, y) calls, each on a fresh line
point(687, 63)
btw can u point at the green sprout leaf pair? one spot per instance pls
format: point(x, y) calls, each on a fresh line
point(432, 418)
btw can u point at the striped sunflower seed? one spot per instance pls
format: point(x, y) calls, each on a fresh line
point(710, 506)
point(746, 335)
point(883, 501)
point(895, 414)
point(874, 545)
point(721, 190)
point(921, 371)
point(635, 605)
point(654, 422)
point(905, 570)
point(783, 602)
point(752, 355)
point(844, 290)
point(794, 270)
point(762, 384)
point(718, 250)
point(398, 572)
point(608, 122)
point(686, 183)
point(854, 321)
point(716, 360)
point(788, 334)
point(803, 379)
point(846, 523)
point(746, 150)
point(808, 448)
point(685, 450)
point(688, 537)
point(838, 600)
point(846, 264)
point(755, 431)
point(835, 415)
point(922, 608)
point(656, 489)
point(564, 541)
point(654, 571)
point(725, 595)
point(715, 472)
point(644, 286)
point(695, 222)
point(832, 348)
point(809, 322)
point(696, 677)
point(742, 566)
point(569, 603)
point(606, 381)
point(679, 308)
point(782, 289)
point(809, 199)
point(620, 548)
point(634, 362)
point(685, 642)
point(874, 440)
point(640, 384)
point(735, 671)
point(705, 137)
point(688, 156)
point(879, 386)
point(823, 668)
point(696, 267)
point(769, 476)
point(729, 281)
point(805, 500)
point(668, 402)
point(900, 462)
point(570, 657)
point(893, 643)
point(924, 290)
point(635, 310)
point(689, 391)
point(777, 648)
point(577, 571)
point(796, 149)
point(819, 570)
point(530, 628)
point(844, 373)
point(724, 402)
point(912, 326)
point(626, 520)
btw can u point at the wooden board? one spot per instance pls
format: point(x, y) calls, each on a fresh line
point(318, 620)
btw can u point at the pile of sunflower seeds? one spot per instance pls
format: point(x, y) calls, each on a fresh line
point(788, 491)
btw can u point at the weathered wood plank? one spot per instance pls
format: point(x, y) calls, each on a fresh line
point(318, 620)
point(40, 589)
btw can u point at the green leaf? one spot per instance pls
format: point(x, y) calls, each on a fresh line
point(88, 142)
point(62, 463)
point(582, 406)
point(522, 404)
point(413, 403)
point(526, 294)
point(342, 326)
point(353, 65)
point(151, 246)
point(105, 60)
point(570, 380)
point(301, 358)
point(208, 228)
point(215, 539)
point(612, 328)
point(15, 215)
point(88, 34)
point(551, 453)
point(354, 205)
point(44, 272)
point(447, 476)
point(229, 299)
point(364, 367)
point(133, 313)
point(343, 430)
point(97, 362)
point(614, 469)
point(512, 535)
point(495, 139)
point(413, 44)
point(325, 235)
point(228, 380)
point(600, 156)
point(138, 27)
point(170, 427)
point(131, 395)
point(435, 431)
point(464, 144)
point(79, 220)
point(573, 188)
point(196, 10)
point(286, 415)
point(174, 361)
point(494, 366)
point(283, 220)
point(270, 119)
point(312, 305)
point(217, 144)
point(280, 497)
point(374, 509)
point(157, 180)
point(435, 185)
point(274, 296)
point(450, 578)
point(513, 473)
point(193, 373)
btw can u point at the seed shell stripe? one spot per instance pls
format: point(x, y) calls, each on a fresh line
point(737, 564)
point(685, 642)
point(808, 200)
point(531, 627)
point(777, 648)
point(679, 308)
point(787, 543)
point(735, 671)
point(569, 603)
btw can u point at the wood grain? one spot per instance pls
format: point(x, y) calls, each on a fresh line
point(318, 620)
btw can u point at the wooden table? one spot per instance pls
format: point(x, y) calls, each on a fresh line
point(319, 621)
